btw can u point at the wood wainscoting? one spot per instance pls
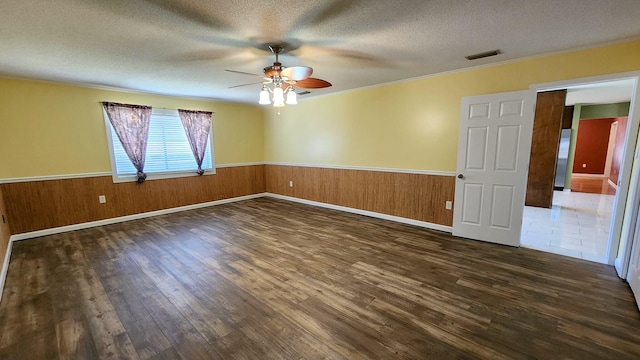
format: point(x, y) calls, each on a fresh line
point(5, 235)
point(39, 205)
point(419, 197)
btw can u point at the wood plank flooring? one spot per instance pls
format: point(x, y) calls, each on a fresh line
point(592, 185)
point(270, 279)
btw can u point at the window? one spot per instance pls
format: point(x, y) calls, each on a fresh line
point(168, 151)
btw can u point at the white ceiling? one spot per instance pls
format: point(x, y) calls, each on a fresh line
point(601, 93)
point(182, 47)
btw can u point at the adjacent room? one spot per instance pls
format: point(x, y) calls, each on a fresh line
point(319, 180)
point(587, 174)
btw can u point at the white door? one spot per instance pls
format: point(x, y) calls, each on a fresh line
point(493, 160)
point(633, 276)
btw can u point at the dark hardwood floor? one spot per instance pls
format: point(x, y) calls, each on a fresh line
point(270, 279)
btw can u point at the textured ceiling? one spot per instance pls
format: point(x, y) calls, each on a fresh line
point(182, 47)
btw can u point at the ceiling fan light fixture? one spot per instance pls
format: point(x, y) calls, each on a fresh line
point(278, 81)
point(278, 96)
point(264, 96)
point(292, 97)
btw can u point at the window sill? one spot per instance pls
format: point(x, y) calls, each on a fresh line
point(161, 176)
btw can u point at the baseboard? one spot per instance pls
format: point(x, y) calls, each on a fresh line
point(5, 268)
point(61, 229)
point(399, 219)
point(614, 185)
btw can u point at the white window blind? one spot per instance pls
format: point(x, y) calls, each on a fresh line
point(168, 150)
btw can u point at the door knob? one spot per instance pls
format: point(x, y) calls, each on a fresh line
point(460, 176)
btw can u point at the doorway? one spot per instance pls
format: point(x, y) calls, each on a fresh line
point(579, 223)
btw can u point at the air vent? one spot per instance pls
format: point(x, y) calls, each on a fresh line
point(483, 54)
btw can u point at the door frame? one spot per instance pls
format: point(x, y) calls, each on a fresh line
point(622, 195)
point(613, 132)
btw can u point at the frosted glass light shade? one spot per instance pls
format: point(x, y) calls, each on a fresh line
point(264, 97)
point(278, 97)
point(292, 97)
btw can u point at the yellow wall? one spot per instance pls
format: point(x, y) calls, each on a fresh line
point(414, 124)
point(56, 129)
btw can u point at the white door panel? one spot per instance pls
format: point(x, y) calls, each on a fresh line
point(507, 148)
point(493, 155)
point(477, 149)
point(501, 214)
point(511, 107)
point(472, 209)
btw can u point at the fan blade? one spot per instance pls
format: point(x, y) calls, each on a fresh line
point(253, 83)
point(297, 72)
point(243, 73)
point(312, 83)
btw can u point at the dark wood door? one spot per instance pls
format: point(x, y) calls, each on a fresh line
point(545, 140)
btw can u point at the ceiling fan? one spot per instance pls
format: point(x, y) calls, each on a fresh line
point(280, 80)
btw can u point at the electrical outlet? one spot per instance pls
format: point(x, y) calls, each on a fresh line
point(102, 199)
point(448, 205)
point(290, 183)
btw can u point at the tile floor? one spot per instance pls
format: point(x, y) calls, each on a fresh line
point(577, 225)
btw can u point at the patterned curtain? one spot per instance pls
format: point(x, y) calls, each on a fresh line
point(197, 125)
point(131, 123)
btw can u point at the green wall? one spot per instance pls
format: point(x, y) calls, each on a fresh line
point(604, 110)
